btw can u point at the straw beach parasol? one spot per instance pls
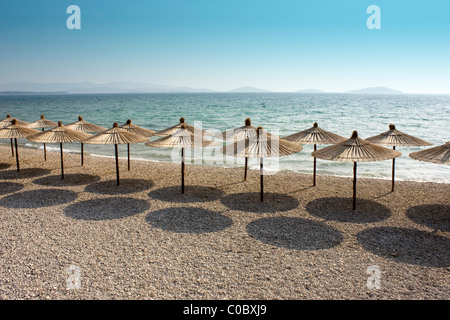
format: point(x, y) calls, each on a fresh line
point(439, 154)
point(393, 138)
point(16, 131)
point(245, 132)
point(261, 146)
point(7, 122)
point(315, 135)
point(86, 127)
point(130, 127)
point(60, 134)
point(116, 136)
point(43, 123)
point(188, 127)
point(182, 138)
point(355, 150)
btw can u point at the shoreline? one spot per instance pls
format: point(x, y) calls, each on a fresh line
point(234, 166)
point(145, 240)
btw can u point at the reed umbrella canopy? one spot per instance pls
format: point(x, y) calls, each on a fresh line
point(130, 127)
point(261, 146)
point(16, 131)
point(116, 136)
point(315, 135)
point(84, 126)
point(355, 150)
point(43, 123)
point(7, 122)
point(240, 133)
point(439, 154)
point(173, 129)
point(244, 132)
point(182, 138)
point(394, 138)
point(87, 127)
point(60, 134)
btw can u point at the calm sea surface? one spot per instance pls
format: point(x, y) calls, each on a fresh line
point(424, 116)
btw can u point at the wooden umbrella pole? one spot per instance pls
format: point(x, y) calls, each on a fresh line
point(128, 150)
point(12, 148)
point(314, 174)
point(117, 164)
point(393, 171)
point(182, 170)
point(354, 186)
point(261, 173)
point(45, 150)
point(17, 155)
point(62, 160)
point(245, 172)
point(82, 154)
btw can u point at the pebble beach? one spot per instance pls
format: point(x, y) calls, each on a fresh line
point(146, 240)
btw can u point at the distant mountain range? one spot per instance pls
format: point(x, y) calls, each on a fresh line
point(88, 87)
point(249, 90)
point(375, 90)
point(140, 87)
point(310, 91)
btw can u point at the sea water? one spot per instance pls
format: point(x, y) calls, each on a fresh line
point(423, 116)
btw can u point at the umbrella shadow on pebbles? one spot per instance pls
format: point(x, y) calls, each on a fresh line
point(38, 198)
point(250, 202)
point(189, 220)
point(69, 180)
point(10, 187)
point(4, 166)
point(106, 208)
point(340, 209)
point(192, 194)
point(24, 173)
point(126, 186)
point(294, 233)
point(435, 216)
point(407, 246)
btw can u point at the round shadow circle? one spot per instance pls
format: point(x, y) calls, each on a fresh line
point(407, 245)
point(4, 166)
point(126, 186)
point(435, 216)
point(273, 202)
point(191, 194)
point(294, 233)
point(340, 209)
point(10, 187)
point(76, 179)
point(188, 220)
point(38, 198)
point(106, 208)
point(23, 174)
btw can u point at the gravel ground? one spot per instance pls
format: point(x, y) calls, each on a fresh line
point(145, 240)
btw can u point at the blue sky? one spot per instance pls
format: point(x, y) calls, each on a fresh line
point(282, 45)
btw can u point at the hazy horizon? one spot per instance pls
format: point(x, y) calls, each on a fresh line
point(282, 47)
